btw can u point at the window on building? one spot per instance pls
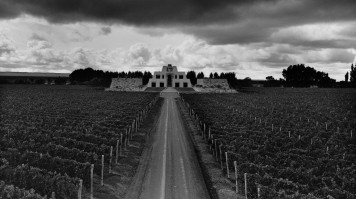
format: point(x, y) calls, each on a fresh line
point(180, 76)
point(158, 76)
point(153, 84)
point(162, 76)
point(175, 77)
point(177, 84)
point(161, 84)
point(185, 84)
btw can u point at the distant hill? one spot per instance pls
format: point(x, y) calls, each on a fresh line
point(25, 74)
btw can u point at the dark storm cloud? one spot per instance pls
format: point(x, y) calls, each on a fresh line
point(217, 21)
point(137, 12)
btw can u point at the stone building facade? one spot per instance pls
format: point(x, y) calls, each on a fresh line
point(169, 77)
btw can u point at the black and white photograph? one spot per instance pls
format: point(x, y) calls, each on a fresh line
point(177, 99)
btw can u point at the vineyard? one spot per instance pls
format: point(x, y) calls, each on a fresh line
point(55, 139)
point(282, 143)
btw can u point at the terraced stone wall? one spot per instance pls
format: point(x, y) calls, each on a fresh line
point(126, 84)
point(213, 83)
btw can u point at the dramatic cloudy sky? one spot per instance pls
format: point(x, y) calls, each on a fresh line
point(254, 38)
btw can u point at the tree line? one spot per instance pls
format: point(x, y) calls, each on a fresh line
point(93, 77)
point(297, 75)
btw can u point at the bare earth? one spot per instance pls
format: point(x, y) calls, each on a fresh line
point(169, 167)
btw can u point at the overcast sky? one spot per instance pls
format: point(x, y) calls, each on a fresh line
point(253, 38)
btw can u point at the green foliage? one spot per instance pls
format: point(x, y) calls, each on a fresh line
point(192, 76)
point(146, 77)
point(353, 76)
point(297, 157)
point(200, 75)
point(42, 181)
point(12, 192)
point(301, 76)
point(70, 126)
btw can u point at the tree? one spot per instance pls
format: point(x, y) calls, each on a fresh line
point(271, 82)
point(301, 76)
point(200, 75)
point(146, 77)
point(247, 82)
point(60, 80)
point(211, 76)
point(84, 76)
point(231, 79)
point(192, 76)
point(347, 77)
point(353, 75)
point(216, 75)
point(269, 78)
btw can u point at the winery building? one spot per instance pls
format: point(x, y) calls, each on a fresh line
point(169, 77)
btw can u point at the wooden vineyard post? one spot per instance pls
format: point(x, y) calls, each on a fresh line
point(227, 165)
point(117, 151)
point(121, 144)
point(258, 191)
point(289, 133)
point(221, 157)
point(326, 126)
point(204, 131)
point(236, 182)
point(53, 195)
point(128, 137)
point(245, 177)
point(131, 132)
point(80, 189)
point(351, 133)
point(209, 135)
point(216, 150)
point(102, 170)
point(133, 125)
point(91, 181)
point(126, 140)
point(212, 144)
point(110, 161)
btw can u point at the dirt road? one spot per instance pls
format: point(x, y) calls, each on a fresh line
point(169, 168)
